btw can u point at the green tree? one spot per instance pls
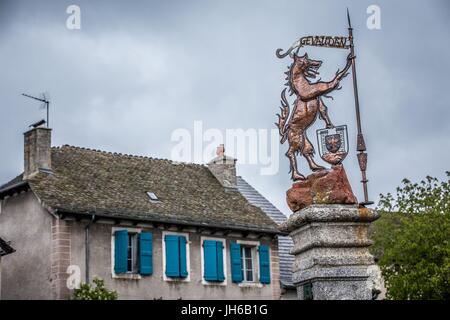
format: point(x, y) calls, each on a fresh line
point(89, 292)
point(412, 240)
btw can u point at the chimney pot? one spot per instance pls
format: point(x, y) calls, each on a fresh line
point(220, 151)
point(224, 168)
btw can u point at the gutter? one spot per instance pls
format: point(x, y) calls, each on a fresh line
point(87, 247)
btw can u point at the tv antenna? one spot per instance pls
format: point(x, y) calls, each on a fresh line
point(44, 98)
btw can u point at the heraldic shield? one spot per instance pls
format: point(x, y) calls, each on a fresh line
point(333, 144)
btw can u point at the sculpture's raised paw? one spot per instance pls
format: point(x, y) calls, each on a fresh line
point(298, 177)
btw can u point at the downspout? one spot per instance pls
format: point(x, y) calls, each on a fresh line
point(86, 229)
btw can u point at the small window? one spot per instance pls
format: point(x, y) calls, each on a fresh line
point(152, 196)
point(132, 253)
point(247, 257)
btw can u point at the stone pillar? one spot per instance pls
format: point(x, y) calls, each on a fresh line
point(275, 270)
point(332, 259)
point(61, 257)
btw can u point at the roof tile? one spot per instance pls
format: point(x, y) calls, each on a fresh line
point(92, 181)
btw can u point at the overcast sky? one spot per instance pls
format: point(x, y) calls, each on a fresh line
point(138, 70)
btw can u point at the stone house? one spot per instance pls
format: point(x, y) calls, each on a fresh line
point(5, 249)
point(151, 228)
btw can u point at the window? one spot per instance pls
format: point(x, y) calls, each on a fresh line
point(247, 263)
point(152, 197)
point(176, 259)
point(307, 291)
point(132, 252)
point(245, 256)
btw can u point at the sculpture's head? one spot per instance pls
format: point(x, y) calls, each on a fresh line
point(306, 66)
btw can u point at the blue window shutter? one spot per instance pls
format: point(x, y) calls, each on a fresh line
point(172, 256)
point(236, 267)
point(120, 251)
point(220, 274)
point(183, 258)
point(264, 264)
point(145, 253)
point(210, 260)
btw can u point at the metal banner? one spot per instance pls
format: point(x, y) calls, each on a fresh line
point(339, 42)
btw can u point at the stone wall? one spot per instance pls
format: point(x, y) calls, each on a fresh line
point(275, 270)
point(46, 246)
point(155, 286)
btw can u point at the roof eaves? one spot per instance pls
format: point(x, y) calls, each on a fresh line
point(118, 216)
point(14, 188)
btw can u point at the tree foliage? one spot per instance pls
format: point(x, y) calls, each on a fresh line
point(412, 240)
point(99, 292)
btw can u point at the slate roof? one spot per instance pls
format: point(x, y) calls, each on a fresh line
point(285, 243)
point(15, 181)
point(5, 248)
point(86, 181)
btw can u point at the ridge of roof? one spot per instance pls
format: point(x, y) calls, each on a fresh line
point(126, 155)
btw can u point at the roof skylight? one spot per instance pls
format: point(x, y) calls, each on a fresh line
point(152, 196)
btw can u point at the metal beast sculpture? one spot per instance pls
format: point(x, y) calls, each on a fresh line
point(308, 104)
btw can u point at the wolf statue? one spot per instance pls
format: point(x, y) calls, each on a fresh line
point(308, 104)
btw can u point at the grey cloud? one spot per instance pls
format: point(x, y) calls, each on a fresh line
point(137, 71)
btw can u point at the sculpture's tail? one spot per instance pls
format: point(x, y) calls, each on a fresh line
point(283, 117)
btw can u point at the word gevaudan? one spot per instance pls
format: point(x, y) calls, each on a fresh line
point(326, 41)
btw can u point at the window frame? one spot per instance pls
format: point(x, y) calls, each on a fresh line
point(225, 254)
point(127, 275)
point(188, 260)
point(135, 263)
point(255, 245)
point(244, 266)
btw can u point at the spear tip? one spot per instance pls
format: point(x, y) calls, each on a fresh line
point(348, 18)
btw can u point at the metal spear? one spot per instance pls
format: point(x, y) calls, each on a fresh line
point(360, 144)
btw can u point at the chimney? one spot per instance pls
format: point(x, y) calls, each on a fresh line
point(224, 168)
point(37, 151)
